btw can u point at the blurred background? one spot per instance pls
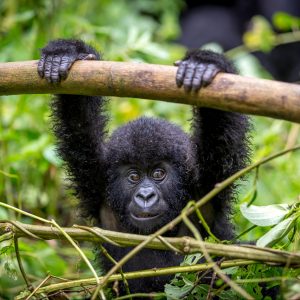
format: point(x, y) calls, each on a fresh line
point(261, 37)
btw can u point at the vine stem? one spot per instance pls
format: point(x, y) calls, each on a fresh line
point(136, 275)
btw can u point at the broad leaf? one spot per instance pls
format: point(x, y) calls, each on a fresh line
point(277, 233)
point(176, 292)
point(268, 215)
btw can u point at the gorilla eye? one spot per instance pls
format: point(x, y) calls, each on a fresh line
point(159, 174)
point(134, 176)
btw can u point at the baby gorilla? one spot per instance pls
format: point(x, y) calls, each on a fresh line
point(144, 174)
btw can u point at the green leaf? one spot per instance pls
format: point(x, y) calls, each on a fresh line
point(277, 233)
point(191, 259)
point(10, 270)
point(260, 36)
point(6, 239)
point(213, 47)
point(175, 292)
point(229, 295)
point(268, 215)
point(249, 65)
point(285, 22)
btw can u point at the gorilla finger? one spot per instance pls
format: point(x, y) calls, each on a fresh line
point(65, 65)
point(189, 75)
point(181, 73)
point(86, 56)
point(197, 80)
point(210, 73)
point(177, 63)
point(41, 65)
point(47, 68)
point(55, 69)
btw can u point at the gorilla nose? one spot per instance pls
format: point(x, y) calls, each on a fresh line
point(146, 197)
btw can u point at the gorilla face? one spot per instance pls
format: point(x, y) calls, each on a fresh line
point(146, 196)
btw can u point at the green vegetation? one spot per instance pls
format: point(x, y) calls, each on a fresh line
point(31, 177)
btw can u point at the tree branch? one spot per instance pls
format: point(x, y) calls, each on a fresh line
point(227, 92)
point(185, 244)
point(133, 275)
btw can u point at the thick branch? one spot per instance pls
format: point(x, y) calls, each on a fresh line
point(227, 92)
point(183, 244)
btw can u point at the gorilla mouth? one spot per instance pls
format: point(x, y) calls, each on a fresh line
point(144, 216)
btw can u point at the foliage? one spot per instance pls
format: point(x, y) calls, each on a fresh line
point(131, 30)
point(261, 36)
point(258, 280)
point(282, 217)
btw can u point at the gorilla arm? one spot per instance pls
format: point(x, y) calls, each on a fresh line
point(220, 137)
point(79, 123)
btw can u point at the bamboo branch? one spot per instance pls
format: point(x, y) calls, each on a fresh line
point(227, 92)
point(184, 244)
point(134, 275)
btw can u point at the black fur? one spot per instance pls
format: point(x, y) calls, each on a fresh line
point(217, 148)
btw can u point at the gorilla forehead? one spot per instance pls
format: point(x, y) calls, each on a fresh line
point(149, 140)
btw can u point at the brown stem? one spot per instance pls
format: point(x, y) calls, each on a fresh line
point(227, 91)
